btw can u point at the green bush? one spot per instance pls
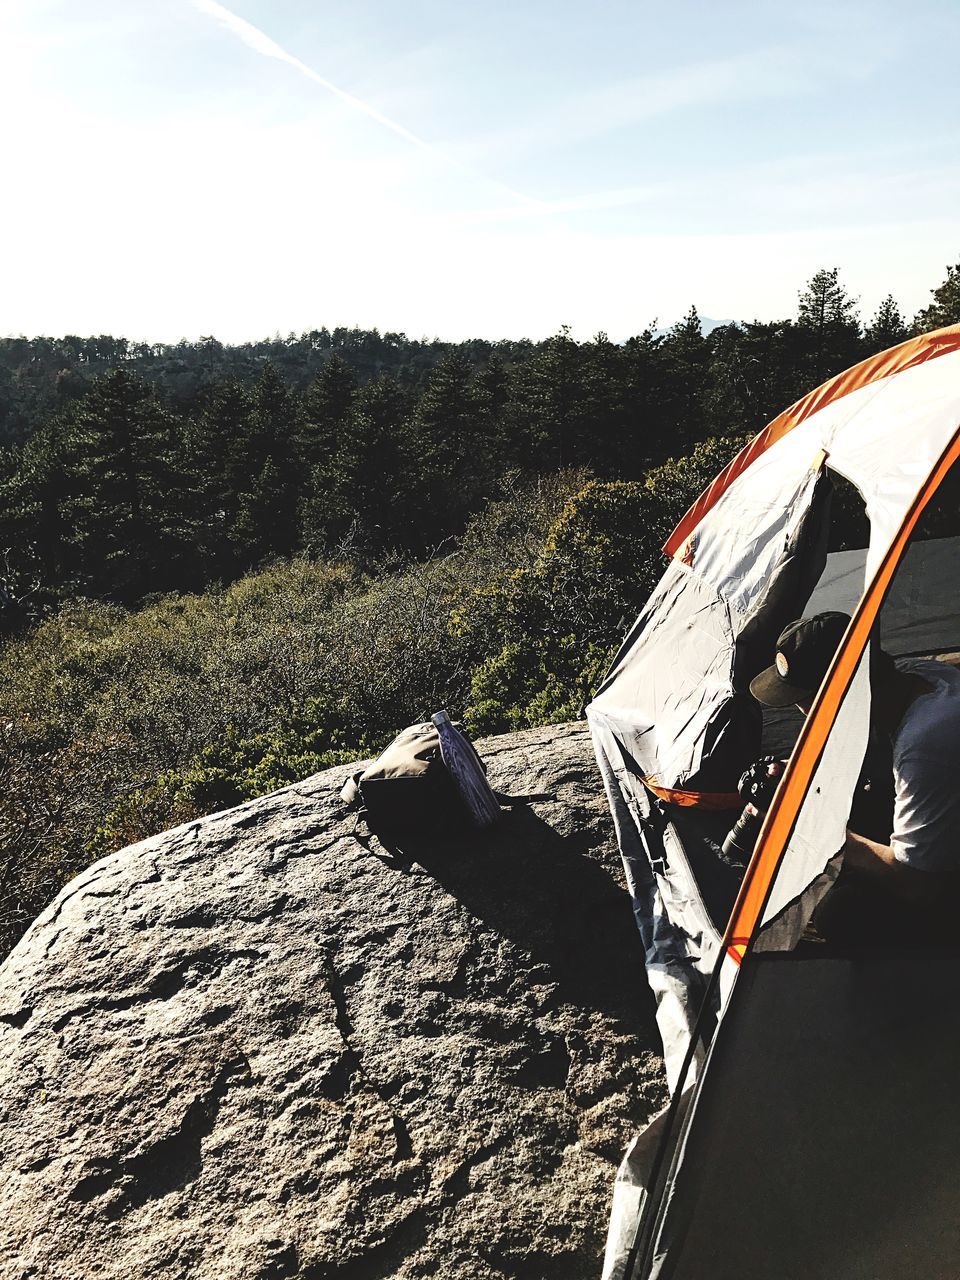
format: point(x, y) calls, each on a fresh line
point(224, 774)
point(542, 637)
point(536, 682)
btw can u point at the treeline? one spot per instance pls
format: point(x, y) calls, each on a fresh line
point(38, 375)
point(320, 446)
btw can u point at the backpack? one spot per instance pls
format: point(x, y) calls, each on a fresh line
point(407, 787)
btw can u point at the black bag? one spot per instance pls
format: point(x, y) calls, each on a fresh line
point(408, 787)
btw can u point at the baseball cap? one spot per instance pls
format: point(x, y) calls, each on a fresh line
point(804, 651)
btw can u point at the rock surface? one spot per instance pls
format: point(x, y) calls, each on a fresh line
point(261, 1046)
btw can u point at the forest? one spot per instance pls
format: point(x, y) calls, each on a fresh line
point(224, 568)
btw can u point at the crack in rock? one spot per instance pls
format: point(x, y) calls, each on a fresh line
point(172, 1161)
point(19, 1018)
point(352, 1064)
point(165, 984)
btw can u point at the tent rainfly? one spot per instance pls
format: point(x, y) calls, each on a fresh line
point(814, 1126)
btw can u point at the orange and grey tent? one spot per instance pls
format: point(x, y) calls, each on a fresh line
point(814, 1129)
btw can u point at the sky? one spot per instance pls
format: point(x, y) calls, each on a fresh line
point(177, 168)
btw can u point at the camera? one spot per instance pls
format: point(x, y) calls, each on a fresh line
point(756, 787)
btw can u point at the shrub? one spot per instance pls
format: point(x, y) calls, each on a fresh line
point(224, 774)
point(120, 724)
point(542, 637)
point(50, 800)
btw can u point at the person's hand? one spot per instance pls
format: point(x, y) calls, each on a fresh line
point(759, 782)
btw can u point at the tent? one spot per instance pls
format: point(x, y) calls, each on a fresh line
point(813, 1129)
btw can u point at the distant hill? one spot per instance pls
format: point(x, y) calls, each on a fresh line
point(706, 326)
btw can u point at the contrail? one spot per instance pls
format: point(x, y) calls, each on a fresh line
point(261, 43)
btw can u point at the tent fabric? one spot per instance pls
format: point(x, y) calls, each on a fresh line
point(681, 943)
point(672, 715)
point(791, 1172)
point(647, 1153)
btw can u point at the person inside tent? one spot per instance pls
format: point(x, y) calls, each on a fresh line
point(901, 865)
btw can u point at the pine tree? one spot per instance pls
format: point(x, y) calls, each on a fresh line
point(560, 387)
point(36, 560)
point(376, 496)
point(728, 401)
point(329, 399)
point(646, 398)
point(384, 468)
point(886, 329)
point(217, 463)
point(825, 302)
point(452, 451)
point(828, 323)
point(124, 505)
point(546, 416)
point(685, 357)
point(490, 394)
point(326, 410)
point(605, 421)
point(270, 472)
point(945, 308)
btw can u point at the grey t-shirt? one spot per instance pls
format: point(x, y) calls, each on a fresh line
point(926, 773)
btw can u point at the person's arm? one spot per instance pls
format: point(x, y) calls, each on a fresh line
point(921, 862)
point(878, 863)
